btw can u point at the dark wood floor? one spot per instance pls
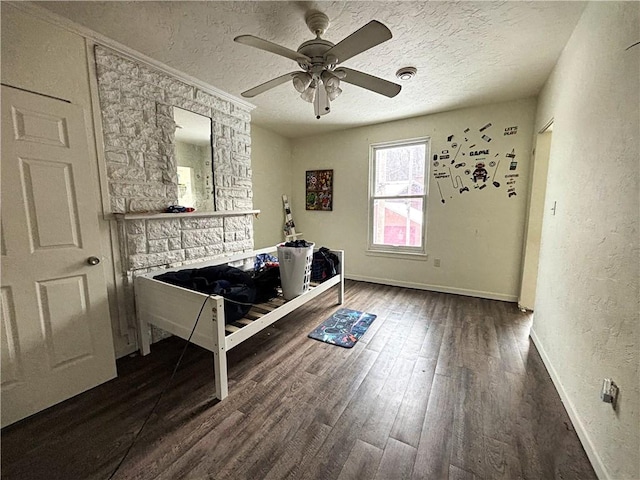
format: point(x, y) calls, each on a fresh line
point(441, 386)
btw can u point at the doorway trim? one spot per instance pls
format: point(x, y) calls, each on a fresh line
point(538, 172)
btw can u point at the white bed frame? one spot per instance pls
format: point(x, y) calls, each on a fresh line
point(175, 309)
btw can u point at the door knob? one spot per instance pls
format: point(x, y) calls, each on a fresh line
point(93, 260)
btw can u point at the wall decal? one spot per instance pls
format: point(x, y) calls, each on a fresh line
point(511, 191)
point(456, 156)
point(513, 165)
point(457, 182)
point(480, 173)
point(319, 190)
point(441, 197)
point(454, 183)
point(454, 180)
point(479, 152)
point(495, 176)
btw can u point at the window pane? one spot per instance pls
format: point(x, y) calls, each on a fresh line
point(399, 170)
point(398, 222)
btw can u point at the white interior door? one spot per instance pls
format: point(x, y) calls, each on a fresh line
point(55, 324)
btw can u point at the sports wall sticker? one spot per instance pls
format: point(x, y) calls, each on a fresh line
point(469, 163)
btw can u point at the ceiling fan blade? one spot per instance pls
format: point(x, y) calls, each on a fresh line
point(364, 80)
point(372, 34)
point(268, 85)
point(271, 47)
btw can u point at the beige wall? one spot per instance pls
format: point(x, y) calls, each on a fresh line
point(271, 166)
point(477, 235)
point(43, 58)
point(586, 320)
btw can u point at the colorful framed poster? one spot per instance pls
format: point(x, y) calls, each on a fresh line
point(319, 190)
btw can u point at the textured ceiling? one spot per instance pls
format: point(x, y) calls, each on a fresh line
point(466, 53)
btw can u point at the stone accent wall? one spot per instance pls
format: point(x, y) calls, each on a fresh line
point(137, 117)
point(150, 243)
point(137, 103)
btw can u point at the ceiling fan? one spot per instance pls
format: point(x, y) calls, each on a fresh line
point(319, 80)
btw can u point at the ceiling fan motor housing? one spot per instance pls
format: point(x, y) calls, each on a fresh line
point(315, 50)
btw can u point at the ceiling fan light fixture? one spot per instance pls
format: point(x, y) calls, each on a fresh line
point(330, 80)
point(301, 81)
point(310, 93)
point(333, 93)
point(331, 84)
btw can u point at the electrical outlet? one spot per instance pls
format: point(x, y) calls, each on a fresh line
point(436, 262)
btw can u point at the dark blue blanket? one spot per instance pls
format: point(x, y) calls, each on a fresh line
point(236, 286)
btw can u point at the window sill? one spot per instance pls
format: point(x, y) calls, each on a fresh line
point(422, 257)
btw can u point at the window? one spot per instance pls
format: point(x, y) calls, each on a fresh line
point(398, 196)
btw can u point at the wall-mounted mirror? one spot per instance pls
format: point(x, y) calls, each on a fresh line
point(194, 159)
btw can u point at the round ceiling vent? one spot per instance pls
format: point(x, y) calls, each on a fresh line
point(406, 73)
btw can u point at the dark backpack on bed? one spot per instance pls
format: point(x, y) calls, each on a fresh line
point(266, 281)
point(324, 265)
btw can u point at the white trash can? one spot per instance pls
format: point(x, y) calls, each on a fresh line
point(295, 269)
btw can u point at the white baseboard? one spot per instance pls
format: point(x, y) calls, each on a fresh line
point(436, 288)
point(583, 435)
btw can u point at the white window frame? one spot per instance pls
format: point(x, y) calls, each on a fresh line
point(398, 249)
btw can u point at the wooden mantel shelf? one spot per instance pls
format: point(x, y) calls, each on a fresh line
point(157, 216)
